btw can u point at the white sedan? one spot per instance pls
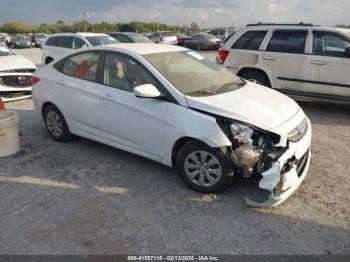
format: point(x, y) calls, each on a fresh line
point(174, 106)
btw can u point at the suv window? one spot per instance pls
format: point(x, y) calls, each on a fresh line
point(214, 33)
point(64, 41)
point(52, 41)
point(122, 38)
point(125, 73)
point(284, 41)
point(328, 44)
point(222, 32)
point(78, 43)
point(83, 66)
point(250, 40)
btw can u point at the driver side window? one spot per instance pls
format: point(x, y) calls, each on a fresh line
point(327, 44)
point(125, 73)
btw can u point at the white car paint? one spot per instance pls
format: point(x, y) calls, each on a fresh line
point(55, 52)
point(15, 66)
point(151, 127)
point(310, 75)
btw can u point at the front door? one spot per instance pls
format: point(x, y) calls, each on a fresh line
point(329, 68)
point(135, 124)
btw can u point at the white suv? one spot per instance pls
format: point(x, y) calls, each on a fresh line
point(59, 45)
point(301, 60)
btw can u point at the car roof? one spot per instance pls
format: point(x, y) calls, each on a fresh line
point(143, 48)
point(82, 34)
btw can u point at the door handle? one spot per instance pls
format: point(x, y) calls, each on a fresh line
point(318, 62)
point(269, 58)
point(108, 97)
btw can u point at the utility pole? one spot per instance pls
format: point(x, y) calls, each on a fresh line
point(85, 17)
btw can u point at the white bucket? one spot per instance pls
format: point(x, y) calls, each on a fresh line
point(9, 133)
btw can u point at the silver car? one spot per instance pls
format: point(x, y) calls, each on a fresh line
point(165, 37)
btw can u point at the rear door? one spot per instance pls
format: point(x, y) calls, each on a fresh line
point(78, 92)
point(329, 69)
point(286, 59)
point(64, 46)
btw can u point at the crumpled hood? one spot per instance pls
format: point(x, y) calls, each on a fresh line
point(15, 62)
point(253, 104)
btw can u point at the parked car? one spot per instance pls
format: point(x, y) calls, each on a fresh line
point(22, 42)
point(6, 39)
point(59, 45)
point(15, 75)
point(223, 33)
point(129, 37)
point(301, 60)
point(202, 41)
point(39, 39)
point(172, 105)
point(164, 37)
point(181, 38)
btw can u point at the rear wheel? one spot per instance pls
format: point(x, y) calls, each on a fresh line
point(204, 169)
point(256, 77)
point(56, 124)
point(48, 60)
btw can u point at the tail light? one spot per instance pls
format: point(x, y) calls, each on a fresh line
point(35, 80)
point(161, 39)
point(222, 55)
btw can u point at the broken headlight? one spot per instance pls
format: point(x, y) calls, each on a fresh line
point(299, 132)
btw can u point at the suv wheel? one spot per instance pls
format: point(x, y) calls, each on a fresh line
point(204, 169)
point(256, 77)
point(56, 125)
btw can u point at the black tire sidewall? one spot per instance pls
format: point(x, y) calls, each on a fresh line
point(260, 77)
point(65, 135)
point(225, 161)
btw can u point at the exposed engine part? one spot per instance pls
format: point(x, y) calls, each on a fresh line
point(246, 157)
point(241, 133)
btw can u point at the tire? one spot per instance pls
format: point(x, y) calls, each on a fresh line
point(256, 77)
point(48, 60)
point(195, 173)
point(56, 124)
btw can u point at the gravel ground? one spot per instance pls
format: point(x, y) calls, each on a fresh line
point(86, 198)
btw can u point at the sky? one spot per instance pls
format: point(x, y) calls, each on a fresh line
point(206, 13)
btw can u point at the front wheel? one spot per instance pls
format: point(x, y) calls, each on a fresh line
point(204, 169)
point(256, 77)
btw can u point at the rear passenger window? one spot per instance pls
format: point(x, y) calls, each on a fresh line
point(122, 39)
point(52, 41)
point(250, 40)
point(78, 43)
point(288, 42)
point(64, 41)
point(83, 66)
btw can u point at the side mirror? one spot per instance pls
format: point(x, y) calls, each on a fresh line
point(347, 52)
point(146, 91)
point(84, 46)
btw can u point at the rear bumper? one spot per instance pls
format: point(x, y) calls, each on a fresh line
point(280, 182)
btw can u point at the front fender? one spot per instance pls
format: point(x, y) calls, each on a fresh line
point(184, 122)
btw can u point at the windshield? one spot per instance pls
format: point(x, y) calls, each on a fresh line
point(4, 51)
point(101, 40)
point(21, 39)
point(193, 75)
point(139, 38)
point(41, 36)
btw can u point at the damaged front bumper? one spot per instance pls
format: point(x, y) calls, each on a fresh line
point(15, 86)
point(286, 174)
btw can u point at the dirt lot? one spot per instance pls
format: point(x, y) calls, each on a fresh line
point(87, 198)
